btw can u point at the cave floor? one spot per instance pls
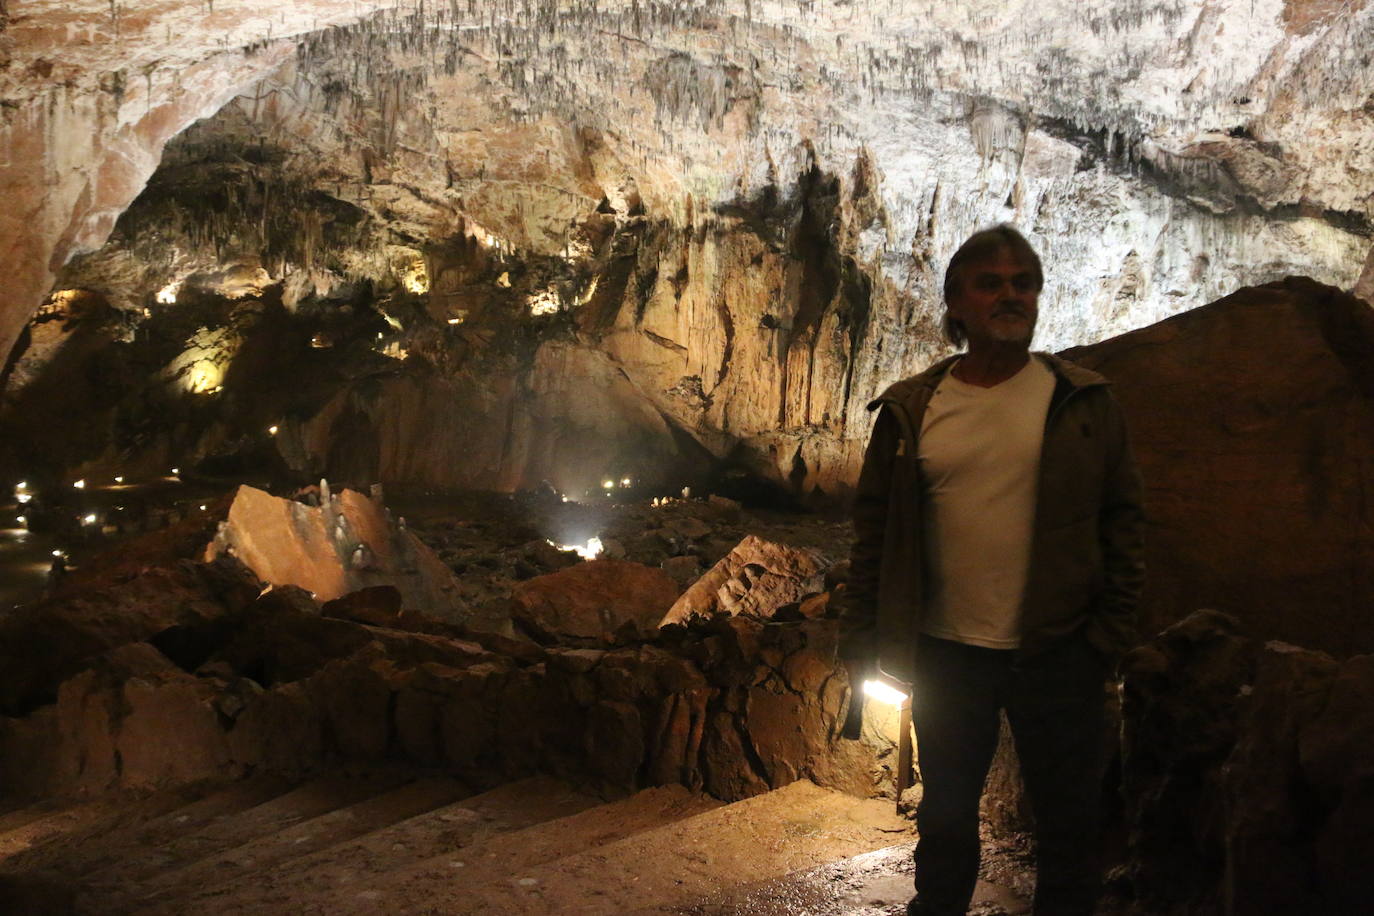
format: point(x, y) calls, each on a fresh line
point(385, 841)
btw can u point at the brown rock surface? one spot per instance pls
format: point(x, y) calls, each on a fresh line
point(757, 578)
point(591, 600)
point(345, 544)
point(1246, 772)
point(1253, 421)
point(43, 644)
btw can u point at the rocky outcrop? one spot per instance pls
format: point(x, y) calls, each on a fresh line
point(1245, 772)
point(757, 578)
point(1253, 421)
point(730, 707)
point(592, 601)
point(346, 543)
point(733, 223)
point(44, 644)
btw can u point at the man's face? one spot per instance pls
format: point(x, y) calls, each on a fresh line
point(997, 300)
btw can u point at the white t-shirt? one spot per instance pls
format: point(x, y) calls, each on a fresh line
point(980, 460)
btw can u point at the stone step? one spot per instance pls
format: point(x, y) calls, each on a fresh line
point(441, 882)
point(301, 883)
point(791, 829)
point(136, 850)
point(231, 830)
point(204, 877)
point(42, 835)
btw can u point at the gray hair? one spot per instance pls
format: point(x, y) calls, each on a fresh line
point(979, 247)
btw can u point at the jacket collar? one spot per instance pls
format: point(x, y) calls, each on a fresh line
point(919, 386)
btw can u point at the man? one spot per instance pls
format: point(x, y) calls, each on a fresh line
point(996, 566)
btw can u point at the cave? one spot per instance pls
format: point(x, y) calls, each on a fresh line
point(428, 433)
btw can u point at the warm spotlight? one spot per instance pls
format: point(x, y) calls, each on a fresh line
point(79, 485)
point(884, 692)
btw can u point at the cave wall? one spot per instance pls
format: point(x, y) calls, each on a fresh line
point(1115, 133)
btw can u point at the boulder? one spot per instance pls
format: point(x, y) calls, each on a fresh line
point(1270, 864)
point(346, 543)
point(756, 578)
point(377, 605)
point(43, 644)
point(588, 602)
point(279, 731)
point(1258, 407)
point(1182, 696)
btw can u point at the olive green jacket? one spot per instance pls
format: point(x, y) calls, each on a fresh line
point(1086, 568)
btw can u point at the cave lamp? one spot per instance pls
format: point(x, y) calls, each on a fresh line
point(884, 692)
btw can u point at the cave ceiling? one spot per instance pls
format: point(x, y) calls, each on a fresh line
point(679, 173)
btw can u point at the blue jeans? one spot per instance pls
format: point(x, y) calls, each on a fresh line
point(1055, 705)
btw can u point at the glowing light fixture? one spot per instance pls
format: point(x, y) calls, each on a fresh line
point(79, 485)
point(90, 518)
point(59, 553)
point(202, 508)
point(608, 484)
point(22, 519)
point(272, 430)
point(884, 692)
point(624, 481)
point(458, 320)
point(176, 472)
point(23, 497)
point(119, 480)
point(589, 551)
point(168, 294)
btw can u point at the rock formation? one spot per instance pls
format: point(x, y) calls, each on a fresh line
point(1245, 770)
point(1253, 421)
point(721, 227)
point(346, 543)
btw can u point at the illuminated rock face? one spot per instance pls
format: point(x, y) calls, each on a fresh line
point(346, 543)
point(744, 211)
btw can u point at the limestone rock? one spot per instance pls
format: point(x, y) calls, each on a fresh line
point(1182, 697)
point(1245, 772)
point(378, 605)
point(1269, 858)
point(1257, 407)
point(280, 731)
point(43, 644)
point(587, 602)
point(289, 543)
point(757, 578)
